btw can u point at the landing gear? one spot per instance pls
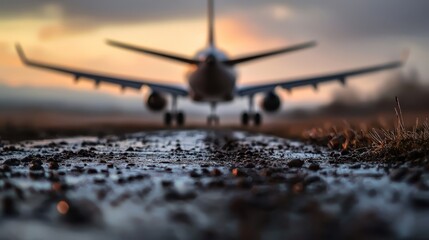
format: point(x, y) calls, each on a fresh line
point(245, 119)
point(213, 119)
point(168, 119)
point(248, 117)
point(174, 115)
point(257, 119)
point(180, 119)
point(251, 115)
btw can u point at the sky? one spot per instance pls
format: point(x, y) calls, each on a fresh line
point(349, 33)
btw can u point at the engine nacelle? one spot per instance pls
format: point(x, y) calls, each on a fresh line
point(271, 102)
point(156, 102)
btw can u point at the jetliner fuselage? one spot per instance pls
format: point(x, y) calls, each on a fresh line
point(212, 80)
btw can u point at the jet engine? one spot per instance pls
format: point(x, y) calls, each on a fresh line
point(156, 102)
point(271, 102)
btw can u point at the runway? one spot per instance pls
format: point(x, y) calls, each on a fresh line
point(204, 184)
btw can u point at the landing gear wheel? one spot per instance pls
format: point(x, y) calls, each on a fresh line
point(257, 119)
point(168, 119)
point(180, 119)
point(245, 119)
point(213, 120)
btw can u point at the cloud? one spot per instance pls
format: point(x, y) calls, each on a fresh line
point(364, 16)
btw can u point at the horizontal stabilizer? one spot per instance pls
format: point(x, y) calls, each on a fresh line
point(252, 57)
point(170, 56)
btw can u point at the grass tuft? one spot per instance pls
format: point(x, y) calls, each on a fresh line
point(401, 140)
point(398, 143)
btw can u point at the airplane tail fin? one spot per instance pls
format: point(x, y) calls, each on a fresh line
point(211, 22)
point(252, 57)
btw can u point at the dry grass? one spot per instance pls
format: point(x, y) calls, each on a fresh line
point(401, 140)
point(383, 143)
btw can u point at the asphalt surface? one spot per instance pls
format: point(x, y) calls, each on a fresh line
point(204, 185)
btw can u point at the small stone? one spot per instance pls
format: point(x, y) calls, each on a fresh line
point(216, 172)
point(12, 162)
point(195, 174)
point(92, 171)
point(398, 174)
point(414, 177)
point(296, 163)
point(314, 167)
point(36, 167)
point(79, 212)
point(99, 180)
point(5, 168)
point(54, 166)
point(166, 183)
point(345, 152)
point(355, 166)
point(238, 172)
point(174, 195)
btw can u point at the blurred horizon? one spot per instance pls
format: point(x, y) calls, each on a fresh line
point(350, 35)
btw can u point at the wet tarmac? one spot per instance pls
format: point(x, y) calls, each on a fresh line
point(204, 185)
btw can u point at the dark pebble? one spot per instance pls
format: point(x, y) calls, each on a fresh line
point(216, 172)
point(355, 166)
point(195, 174)
point(238, 172)
point(345, 152)
point(82, 213)
point(5, 168)
point(166, 183)
point(92, 171)
point(174, 195)
point(398, 174)
point(296, 163)
point(12, 162)
point(314, 167)
point(54, 166)
point(36, 167)
point(99, 181)
point(414, 177)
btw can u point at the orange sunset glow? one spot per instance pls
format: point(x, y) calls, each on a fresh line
point(50, 34)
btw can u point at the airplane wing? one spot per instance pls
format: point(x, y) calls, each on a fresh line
point(99, 78)
point(314, 81)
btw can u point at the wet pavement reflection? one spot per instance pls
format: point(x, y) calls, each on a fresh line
point(204, 185)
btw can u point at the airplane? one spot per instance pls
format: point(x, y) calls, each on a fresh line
point(212, 79)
